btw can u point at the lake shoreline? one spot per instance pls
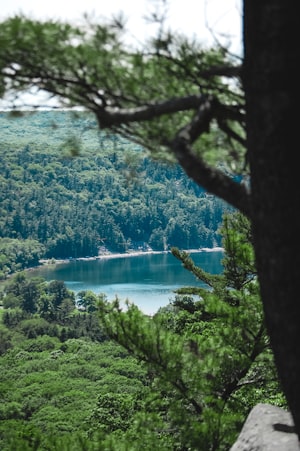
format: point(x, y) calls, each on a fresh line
point(114, 255)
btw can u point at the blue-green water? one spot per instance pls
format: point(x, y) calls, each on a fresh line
point(146, 280)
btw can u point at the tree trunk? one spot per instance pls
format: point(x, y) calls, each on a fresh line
point(271, 83)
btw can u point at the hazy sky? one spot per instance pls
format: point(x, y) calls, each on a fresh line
point(193, 17)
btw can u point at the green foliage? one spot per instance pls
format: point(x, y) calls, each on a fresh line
point(111, 196)
point(18, 254)
point(239, 261)
point(208, 352)
point(114, 411)
point(5, 340)
point(34, 307)
point(87, 300)
point(51, 393)
point(11, 318)
point(35, 327)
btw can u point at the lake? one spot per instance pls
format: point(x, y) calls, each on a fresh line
point(147, 280)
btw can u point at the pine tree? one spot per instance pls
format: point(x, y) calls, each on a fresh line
point(207, 353)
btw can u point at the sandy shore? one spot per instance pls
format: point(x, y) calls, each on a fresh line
point(111, 255)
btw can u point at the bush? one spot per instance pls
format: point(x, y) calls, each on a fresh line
point(40, 344)
point(5, 341)
point(35, 327)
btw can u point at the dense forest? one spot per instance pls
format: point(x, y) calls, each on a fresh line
point(68, 190)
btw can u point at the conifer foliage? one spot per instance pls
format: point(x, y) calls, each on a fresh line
point(207, 352)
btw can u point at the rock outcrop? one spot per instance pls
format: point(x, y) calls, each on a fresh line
point(267, 428)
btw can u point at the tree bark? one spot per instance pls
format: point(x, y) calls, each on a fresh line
point(271, 84)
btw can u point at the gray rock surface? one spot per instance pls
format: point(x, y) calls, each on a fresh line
point(267, 428)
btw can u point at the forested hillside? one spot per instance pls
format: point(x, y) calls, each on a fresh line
point(72, 189)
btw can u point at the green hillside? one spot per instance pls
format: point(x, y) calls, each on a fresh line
point(72, 190)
